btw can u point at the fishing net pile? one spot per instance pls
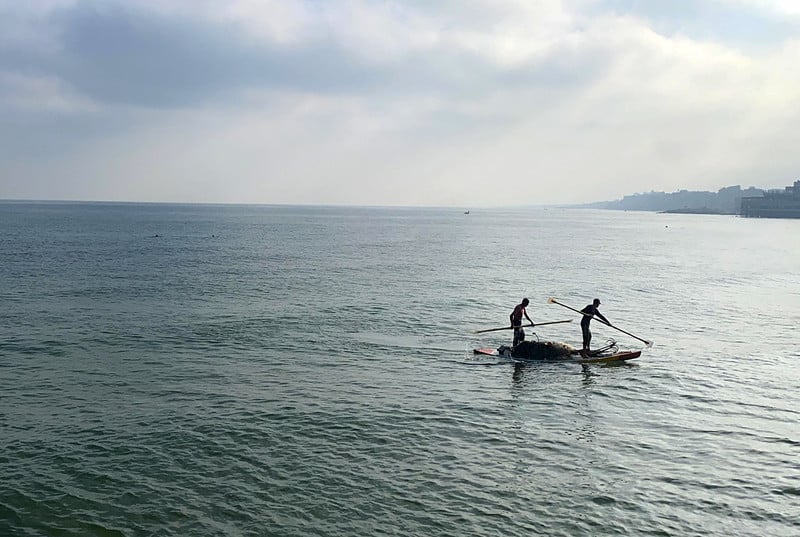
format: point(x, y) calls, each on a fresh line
point(537, 350)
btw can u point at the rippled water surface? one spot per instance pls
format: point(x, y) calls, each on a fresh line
point(215, 370)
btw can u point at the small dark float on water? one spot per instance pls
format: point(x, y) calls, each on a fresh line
point(538, 350)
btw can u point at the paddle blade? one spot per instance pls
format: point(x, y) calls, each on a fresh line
point(551, 300)
point(649, 345)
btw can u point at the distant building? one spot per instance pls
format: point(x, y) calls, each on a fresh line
point(774, 203)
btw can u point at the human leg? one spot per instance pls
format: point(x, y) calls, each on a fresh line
point(519, 336)
point(587, 337)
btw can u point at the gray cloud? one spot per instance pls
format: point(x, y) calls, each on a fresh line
point(138, 58)
point(132, 57)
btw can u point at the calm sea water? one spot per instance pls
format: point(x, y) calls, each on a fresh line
point(171, 370)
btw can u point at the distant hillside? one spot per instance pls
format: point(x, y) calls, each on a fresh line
point(726, 200)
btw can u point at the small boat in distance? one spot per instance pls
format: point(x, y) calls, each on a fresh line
point(466, 212)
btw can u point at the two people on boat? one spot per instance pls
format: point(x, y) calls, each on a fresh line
point(588, 314)
point(516, 321)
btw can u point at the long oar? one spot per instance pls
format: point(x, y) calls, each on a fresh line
point(552, 300)
point(524, 326)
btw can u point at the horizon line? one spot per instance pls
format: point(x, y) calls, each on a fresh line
point(263, 204)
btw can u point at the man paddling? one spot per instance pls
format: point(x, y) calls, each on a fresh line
point(588, 313)
point(516, 321)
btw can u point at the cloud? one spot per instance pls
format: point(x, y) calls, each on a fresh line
point(133, 56)
point(118, 56)
point(458, 102)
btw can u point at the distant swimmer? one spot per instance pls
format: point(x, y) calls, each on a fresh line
point(588, 313)
point(516, 321)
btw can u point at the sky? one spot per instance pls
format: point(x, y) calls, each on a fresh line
point(461, 103)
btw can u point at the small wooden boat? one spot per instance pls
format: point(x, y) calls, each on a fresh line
point(534, 351)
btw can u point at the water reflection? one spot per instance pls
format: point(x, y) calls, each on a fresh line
point(524, 369)
point(587, 376)
point(519, 370)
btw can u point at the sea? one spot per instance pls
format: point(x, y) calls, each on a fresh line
point(241, 370)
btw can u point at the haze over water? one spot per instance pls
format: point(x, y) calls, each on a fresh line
point(188, 370)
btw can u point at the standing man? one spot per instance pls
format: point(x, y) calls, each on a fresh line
point(516, 321)
point(588, 313)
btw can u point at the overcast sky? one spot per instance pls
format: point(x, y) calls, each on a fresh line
point(379, 102)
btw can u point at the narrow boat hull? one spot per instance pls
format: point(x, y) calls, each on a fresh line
point(620, 356)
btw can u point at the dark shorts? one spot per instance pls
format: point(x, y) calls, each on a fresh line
point(519, 334)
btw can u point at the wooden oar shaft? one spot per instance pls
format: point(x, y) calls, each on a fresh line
point(523, 326)
point(496, 329)
point(648, 343)
point(554, 301)
point(552, 322)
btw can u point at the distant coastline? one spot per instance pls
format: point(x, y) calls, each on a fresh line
point(726, 201)
point(696, 210)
